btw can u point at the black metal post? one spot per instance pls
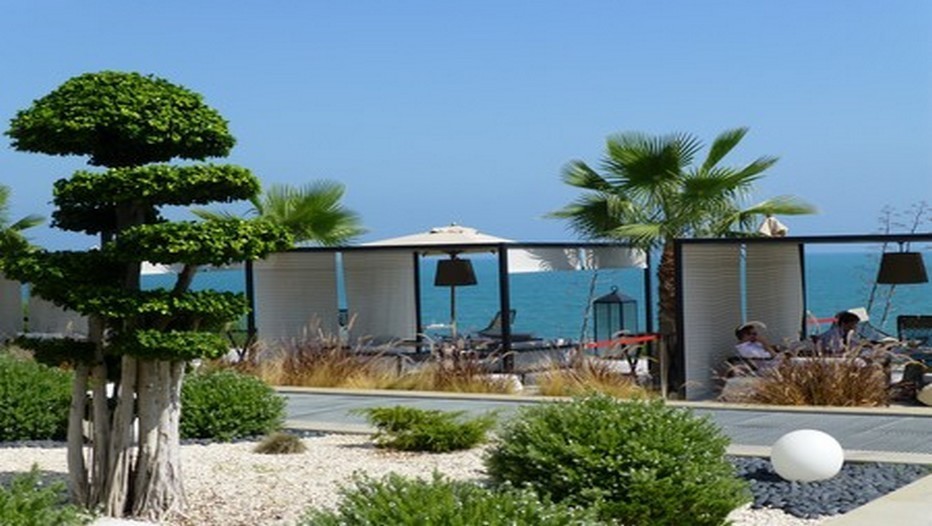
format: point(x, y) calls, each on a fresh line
point(251, 332)
point(504, 292)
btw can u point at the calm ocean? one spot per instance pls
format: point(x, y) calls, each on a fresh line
point(552, 304)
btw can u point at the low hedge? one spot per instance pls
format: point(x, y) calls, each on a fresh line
point(34, 400)
point(226, 405)
point(401, 501)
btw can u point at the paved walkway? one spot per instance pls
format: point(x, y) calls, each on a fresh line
point(897, 434)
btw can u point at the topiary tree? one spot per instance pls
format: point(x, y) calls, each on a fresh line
point(140, 340)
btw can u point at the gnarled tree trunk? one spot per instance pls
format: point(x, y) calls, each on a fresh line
point(158, 489)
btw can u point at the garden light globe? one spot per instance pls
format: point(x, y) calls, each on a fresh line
point(807, 455)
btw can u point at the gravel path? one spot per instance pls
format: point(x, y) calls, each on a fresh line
point(228, 484)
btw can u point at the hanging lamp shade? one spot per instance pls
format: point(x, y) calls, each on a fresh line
point(454, 272)
point(899, 268)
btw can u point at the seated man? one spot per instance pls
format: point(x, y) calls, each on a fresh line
point(842, 336)
point(752, 346)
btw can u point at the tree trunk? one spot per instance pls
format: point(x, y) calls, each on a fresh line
point(666, 281)
point(77, 469)
point(122, 442)
point(158, 489)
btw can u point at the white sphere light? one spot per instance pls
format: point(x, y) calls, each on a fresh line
point(807, 455)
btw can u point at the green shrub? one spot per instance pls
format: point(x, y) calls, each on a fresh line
point(34, 400)
point(225, 405)
point(280, 444)
point(640, 463)
point(27, 502)
point(398, 501)
point(410, 429)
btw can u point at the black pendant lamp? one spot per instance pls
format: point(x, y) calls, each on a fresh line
point(901, 268)
point(454, 272)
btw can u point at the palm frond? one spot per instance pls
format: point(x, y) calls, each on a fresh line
point(752, 171)
point(211, 215)
point(313, 213)
point(14, 229)
point(32, 220)
point(641, 235)
point(784, 205)
point(4, 205)
point(724, 143)
point(589, 216)
point(580, 175)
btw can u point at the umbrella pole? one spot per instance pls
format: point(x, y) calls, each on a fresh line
point(453, 311)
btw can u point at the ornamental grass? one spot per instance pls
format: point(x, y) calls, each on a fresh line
point(859, 378)
point(321, 360)
point(589, 375)
point(452, 369)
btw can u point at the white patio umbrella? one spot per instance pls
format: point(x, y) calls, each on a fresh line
point(454, 272)
point(452, 234)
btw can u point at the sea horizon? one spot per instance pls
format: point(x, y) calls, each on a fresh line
point(553, 304)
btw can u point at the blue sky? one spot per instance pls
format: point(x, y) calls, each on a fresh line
point(436, 112)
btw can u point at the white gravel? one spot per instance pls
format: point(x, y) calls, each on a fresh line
point(228, 484)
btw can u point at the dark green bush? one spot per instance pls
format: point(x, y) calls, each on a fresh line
point(640, 463)
point(397, 501)
point(34, 400)
point(27, 502)
point(225, 405)
point(410, 429)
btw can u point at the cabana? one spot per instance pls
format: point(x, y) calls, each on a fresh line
point(381, 282)
point(44, 317)
point(721, 282)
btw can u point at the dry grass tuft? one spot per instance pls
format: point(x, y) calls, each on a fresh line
point(316, 360)
point(451, 369)
point(280, 443)
point(853, 380)
point(587, 376)
point(322, 361)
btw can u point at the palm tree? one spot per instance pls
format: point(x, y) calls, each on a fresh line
point(12, 233)
point(650, 192)
point(312, 213)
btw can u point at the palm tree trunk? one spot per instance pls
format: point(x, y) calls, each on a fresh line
point(667, 296)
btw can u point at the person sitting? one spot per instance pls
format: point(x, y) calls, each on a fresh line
point(753, 348)
point(842, 336)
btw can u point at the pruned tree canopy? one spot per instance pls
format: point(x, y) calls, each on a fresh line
point(122, 119)
point(87, 201)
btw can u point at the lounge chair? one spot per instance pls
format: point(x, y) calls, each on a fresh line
point(915, 327)
point(494, 329)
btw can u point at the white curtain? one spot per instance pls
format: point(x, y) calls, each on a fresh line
point(546, 259)
point(711, 293)
point(613, 257)
point(47, 318)
point(296, 296)
point(11, 308)
point(542, 259)
point(380, 295)
point(774, 289)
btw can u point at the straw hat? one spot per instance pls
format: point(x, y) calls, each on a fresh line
point(753, 323)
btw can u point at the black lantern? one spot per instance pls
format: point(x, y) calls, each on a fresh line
point(614, 313)
point(899, 268)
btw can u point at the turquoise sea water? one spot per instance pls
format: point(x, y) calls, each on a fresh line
point(553, 304)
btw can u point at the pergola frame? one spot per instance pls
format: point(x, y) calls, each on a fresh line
point(696, 383)
point(504, 283)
